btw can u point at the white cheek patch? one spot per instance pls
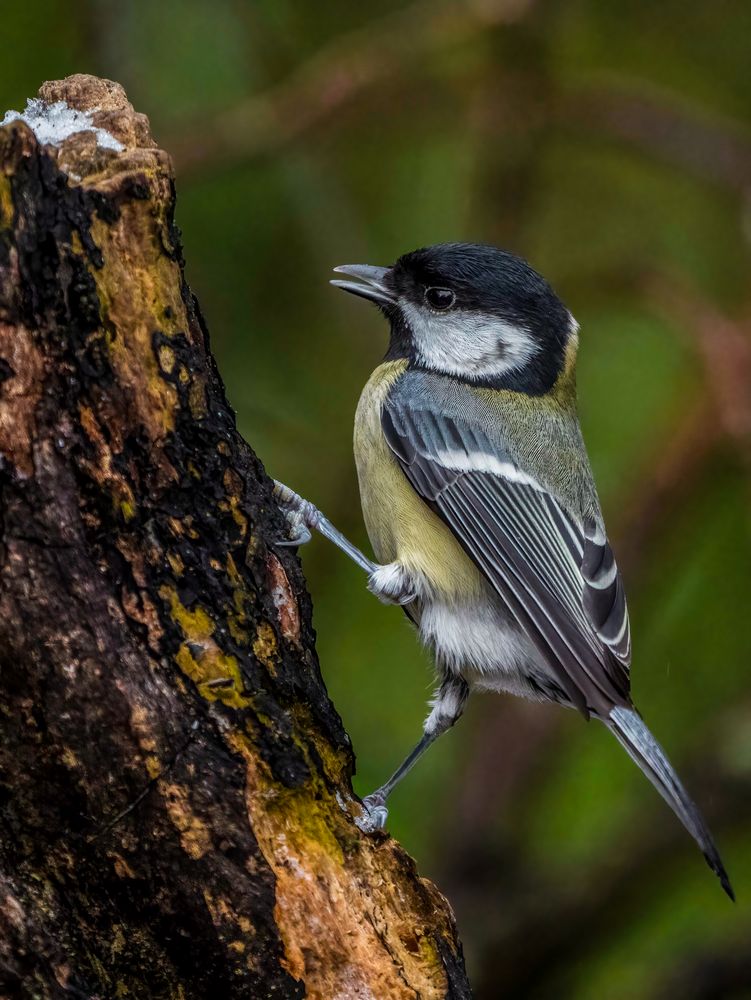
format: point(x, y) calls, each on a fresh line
point(468, 343)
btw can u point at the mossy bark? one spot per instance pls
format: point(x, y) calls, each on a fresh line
point(176, 811)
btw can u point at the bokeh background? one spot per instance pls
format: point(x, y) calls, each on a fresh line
point(610, 144)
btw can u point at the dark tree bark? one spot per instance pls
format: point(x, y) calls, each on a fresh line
point(176, 815)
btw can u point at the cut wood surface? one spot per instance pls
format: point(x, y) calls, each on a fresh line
point(177, 818)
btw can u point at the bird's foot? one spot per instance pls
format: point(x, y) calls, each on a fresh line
point(299, 514)
point(391, 584)
point(375, 812)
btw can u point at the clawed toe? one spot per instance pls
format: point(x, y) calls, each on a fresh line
point(376, 811)
point(299, 534)
point(295, 510)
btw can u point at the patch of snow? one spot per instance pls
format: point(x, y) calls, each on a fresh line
point(53, 123)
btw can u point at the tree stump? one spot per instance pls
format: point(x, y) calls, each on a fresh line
point(177, 816)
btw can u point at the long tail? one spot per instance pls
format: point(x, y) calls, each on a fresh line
point(629, 729)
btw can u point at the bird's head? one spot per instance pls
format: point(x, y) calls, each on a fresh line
point(473, 312)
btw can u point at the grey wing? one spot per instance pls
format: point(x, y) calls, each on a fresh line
point(556, 577)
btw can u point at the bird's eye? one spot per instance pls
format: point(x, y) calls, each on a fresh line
point(439, 298)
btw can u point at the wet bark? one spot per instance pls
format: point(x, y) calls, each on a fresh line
point(176, 815)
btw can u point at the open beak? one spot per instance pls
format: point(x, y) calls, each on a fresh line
point(371, 284)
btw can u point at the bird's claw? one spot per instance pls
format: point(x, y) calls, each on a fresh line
point(376, 811)
point(299, 534)
point(299, 515)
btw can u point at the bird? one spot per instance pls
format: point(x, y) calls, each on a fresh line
point(481, 507)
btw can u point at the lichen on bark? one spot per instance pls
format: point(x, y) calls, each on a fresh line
point(177, 816)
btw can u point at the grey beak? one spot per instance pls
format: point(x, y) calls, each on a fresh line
point(371, 285)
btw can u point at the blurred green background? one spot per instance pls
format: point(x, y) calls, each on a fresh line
point(610, 144)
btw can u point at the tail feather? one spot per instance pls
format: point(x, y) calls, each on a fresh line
point(629, 729)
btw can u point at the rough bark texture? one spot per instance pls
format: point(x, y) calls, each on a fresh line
point(176, 810)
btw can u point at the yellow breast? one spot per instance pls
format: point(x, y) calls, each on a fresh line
point(401, 527)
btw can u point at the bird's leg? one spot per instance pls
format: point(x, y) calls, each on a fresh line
point(446, 709)
point(303, 517)
point(390, 583)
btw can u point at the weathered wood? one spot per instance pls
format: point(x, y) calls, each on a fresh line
point(176, 811)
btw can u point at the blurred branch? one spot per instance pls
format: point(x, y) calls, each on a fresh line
point(352, 62)
point(722, 410)
point(672, 466)
point(359, 60)
point(717, 151)
point(724, 345)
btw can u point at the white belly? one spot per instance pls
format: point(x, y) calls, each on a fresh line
point(479, 642)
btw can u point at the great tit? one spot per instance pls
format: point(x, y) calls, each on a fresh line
point(480, 504)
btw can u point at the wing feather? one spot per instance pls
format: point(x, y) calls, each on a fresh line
point(524, 608)
point(556, 576)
